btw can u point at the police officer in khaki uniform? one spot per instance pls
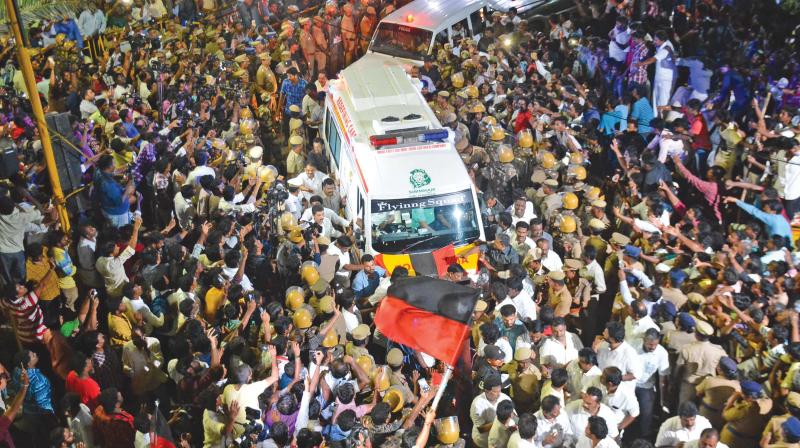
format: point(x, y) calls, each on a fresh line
point(774, 433)
point(307, 45)
point(394, 359)
point(266, 83)
point(617, 242)
point(349, 34)
point(479, 317)
point(441, 106)
point(746, 414)
point(525, 380)
point(551, 201)
point(714, 391)
point(696, 361)
point(358, 346)
point(558, 296)
point(295, 161)
point(321, 44)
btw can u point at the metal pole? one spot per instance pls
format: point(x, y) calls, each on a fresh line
point(38, 113)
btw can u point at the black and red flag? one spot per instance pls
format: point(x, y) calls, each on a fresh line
point(429, 315)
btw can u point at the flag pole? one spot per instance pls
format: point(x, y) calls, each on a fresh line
point(448, 372)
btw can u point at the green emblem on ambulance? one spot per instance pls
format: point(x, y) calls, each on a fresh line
point(419, 178)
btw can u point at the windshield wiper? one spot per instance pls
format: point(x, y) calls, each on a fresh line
point(415, 244)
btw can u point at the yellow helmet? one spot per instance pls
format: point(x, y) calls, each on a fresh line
point(593, 194)
point(457, 79)
point(382, 377)
point(525, 139)
point(301, 319)
point(478, 108)
point(366, 364)
point(60, 38)
point(548, 160)
point(497, 133)
point(246, 127)
point(245, 114)
point(394, 398)
point(489, 120)
point(577, 171)
point(268, 174)
point(447, 429)
point(576, 158)
point(505, 154)
point(567, 224)
point(287, 220)
point(294, 297)
point(330, 340)
point(569, 201)
point(309, 273)
point(251, 171)
point(471, 91)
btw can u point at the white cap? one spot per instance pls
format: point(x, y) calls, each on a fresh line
point(295, 182)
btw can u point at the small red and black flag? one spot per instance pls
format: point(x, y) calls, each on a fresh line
point(429, 315)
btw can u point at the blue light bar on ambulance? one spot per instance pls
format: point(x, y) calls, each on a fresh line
point(431, 135)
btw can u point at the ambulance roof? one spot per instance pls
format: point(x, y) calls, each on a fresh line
point(367, 91)
point(374, 89)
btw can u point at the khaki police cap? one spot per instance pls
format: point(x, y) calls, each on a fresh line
point(522, 354)
point(444, 94)
point(394, 357)
point(303, 20)
point(620, 239)
point(294, 108)
point(241, 58)
point(481, 305)
point(599, 203)
point(597, 224)
point(361, 332)
point(551, 183)
point(295, 140)
point(793, 399)
point(556, 275)
point(539, 177)
point(571, 264)
point(696, 298)
point(704, 327)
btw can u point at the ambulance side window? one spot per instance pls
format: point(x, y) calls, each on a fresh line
point(477, 19)
point(334, 141)
point(441, 37)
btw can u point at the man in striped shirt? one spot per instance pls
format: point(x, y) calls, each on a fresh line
point(24, 309)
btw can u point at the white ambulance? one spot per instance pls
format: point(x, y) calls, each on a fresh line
point(405, 185)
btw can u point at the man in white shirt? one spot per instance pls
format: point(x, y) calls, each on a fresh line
point(709, 438)
point(621, 402)
point(318, 214)
point(87, 106)
point(525, 435)
point(583, 372)
point(655, 365)
point(550, 260)
point(294, 203)
point(685, 426)
point(522, 301)
point(334, 217)
point(665, 69)
point(590, 405)
point(619, 39)
point(552, 425)
point(521, 210)
point(341, 248)
point(638, 323)
point(311, 181)
point(110, 264)
point(791, 183)
point(612, 350)
point(596, 433)
point(560, 346)
point(482, 410)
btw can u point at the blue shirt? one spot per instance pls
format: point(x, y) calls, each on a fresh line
point(294, 93)
point(642, 112)
point(364, 285)
point(110, 194)
point(38, 400)
point(775, 224)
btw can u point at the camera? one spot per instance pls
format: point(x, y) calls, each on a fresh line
point(277, 193)
point(252, 429)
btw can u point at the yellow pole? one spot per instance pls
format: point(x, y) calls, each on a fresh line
point(30, 83)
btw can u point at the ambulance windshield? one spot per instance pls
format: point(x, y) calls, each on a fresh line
point(401, 41)
point(422, 224)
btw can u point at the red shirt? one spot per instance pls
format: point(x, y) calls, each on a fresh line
point(701, 139)
point(87, 389)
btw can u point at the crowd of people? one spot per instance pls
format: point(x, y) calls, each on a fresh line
point(638, 170)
